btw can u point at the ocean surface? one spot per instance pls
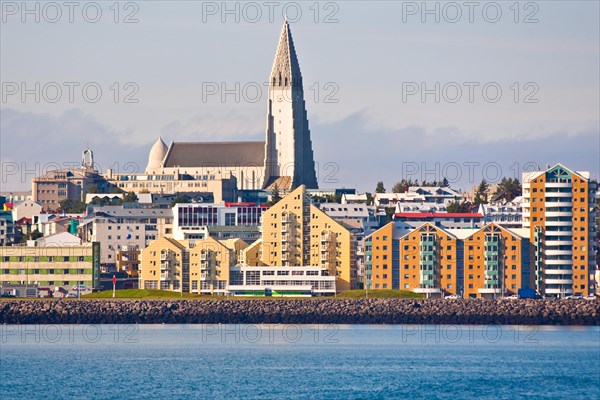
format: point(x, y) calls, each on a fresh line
point(299, 362)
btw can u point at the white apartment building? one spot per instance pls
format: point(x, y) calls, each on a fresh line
point(280, 281)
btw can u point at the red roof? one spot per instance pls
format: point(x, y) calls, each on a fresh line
point(425, 215)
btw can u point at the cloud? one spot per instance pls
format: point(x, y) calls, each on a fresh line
point(210, 127)
point(364, 153)
point(35, 142)
point(354, 151)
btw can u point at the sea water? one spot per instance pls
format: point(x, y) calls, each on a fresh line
point(299, 362)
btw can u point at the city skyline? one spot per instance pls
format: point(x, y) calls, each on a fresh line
point(391, 137)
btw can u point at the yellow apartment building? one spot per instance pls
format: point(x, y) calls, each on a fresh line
point(296, 233)
point(198, 266)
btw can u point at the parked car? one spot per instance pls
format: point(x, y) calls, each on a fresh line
point(575, 296)
point(512, 297)
point(8, 295)
point(80, 288)
point(72, 296)
point(591, 297)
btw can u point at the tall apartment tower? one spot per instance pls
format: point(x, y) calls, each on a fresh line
point(289, 159)
point(559, 210)
point(296, 233)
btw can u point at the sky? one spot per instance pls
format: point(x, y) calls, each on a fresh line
point(394, 90)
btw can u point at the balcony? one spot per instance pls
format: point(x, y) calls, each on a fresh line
point(489, 290)
point(163, 256)
point(326, 237)
point(550, 204)
point(165, 276)
point(563, 291)
point(550, 281)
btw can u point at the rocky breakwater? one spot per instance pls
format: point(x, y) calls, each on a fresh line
point(309, 311)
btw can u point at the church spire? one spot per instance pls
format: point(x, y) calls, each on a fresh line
point(286, 69)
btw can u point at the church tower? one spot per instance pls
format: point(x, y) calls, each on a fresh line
point(289, 159)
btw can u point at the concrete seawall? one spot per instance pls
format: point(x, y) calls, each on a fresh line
point(316, 311)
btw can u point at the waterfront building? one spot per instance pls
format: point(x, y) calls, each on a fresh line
point(295, 232)
point(559, 209)
point(497, 262)
point(192, 266)
point(51, 266)
point(492, 261)
point(280, 281)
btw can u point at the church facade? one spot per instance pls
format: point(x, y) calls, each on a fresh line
point(283, 161)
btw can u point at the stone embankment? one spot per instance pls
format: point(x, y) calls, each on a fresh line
point(313, 311)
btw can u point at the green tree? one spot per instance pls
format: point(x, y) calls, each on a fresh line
point(275, 197)
point(129, 198)
point(179, 199)
point(510, 187)
point(93, 188)
point(31, 236)
point(458, 207)
point(71, 207)
point(369, 198)
point(481, 193)
point(445, 183)
point(380, 188)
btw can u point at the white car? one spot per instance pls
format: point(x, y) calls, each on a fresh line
point(590, 297)
point(452, 296)
point(575, 296)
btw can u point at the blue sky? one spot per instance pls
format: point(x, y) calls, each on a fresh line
point(358, 70)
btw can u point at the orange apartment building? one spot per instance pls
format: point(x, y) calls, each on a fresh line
point(559, 210)
point(488, 262)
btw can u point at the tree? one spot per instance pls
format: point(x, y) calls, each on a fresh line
point(93, 188)
point(178, 199)
point(369, 198)
point(129, 198)
point(458, 207)
point(275, 197)
point(445, 183)
point(481, 193)
point(72, 207)
point(31, 236)
point(380, 188)
point(509, 188)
